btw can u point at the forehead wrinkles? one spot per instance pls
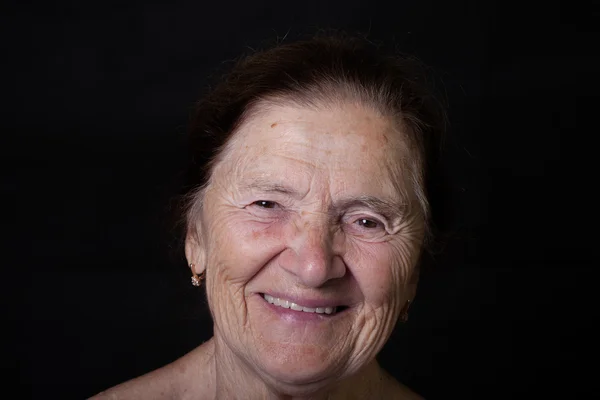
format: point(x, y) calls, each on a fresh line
point(372, 143)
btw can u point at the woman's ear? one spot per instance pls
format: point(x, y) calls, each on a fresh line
point(195, 253)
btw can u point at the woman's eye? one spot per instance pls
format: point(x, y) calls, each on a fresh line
point(265, 204)
point(367, 223)
point(369, 229)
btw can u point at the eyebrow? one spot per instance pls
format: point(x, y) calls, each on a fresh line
point(269, 187)
point(389, 209)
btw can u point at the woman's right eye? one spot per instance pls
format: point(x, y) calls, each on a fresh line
point(265, 204)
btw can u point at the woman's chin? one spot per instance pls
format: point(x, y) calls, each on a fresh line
point(299, 365)
point(298, 348)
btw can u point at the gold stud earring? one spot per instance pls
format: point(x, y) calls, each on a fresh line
point(404, 312)
point(196, 279)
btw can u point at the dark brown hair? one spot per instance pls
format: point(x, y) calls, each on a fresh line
point(315, 72)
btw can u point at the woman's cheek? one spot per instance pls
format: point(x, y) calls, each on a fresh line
point(257, 233)
point(243, 243)
point(403, 254)
point(382, 269)
point(371, 265)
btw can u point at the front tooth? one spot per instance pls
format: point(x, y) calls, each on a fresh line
point(288, 304)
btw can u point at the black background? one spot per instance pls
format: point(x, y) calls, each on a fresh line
point(97, 97)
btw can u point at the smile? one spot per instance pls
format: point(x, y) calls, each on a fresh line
point(296, 307)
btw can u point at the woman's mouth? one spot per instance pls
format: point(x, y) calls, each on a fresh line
point(298, 307)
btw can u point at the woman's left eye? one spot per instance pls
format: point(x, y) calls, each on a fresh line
point(265, 204)
point(366, 228)
point(368, 223)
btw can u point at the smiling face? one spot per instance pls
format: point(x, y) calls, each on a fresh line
point(310, 233)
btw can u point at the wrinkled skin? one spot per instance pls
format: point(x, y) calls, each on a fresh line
point(280, 216)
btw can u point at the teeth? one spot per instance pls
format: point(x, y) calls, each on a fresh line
point(288, 304)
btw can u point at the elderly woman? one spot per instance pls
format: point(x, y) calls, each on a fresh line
point(307, 223)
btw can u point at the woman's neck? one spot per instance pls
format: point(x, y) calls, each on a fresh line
point(221, 374)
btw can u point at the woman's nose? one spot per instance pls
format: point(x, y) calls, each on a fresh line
point(313, 257)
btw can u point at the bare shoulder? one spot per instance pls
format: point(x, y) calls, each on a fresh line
point(157, 384)
point(168, 382)
point(398, 391)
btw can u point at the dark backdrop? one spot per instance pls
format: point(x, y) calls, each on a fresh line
point(96, 101)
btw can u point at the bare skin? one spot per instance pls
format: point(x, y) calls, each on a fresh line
point(173, 382)
point(310, 236)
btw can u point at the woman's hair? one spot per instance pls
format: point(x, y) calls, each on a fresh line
point(315, 73)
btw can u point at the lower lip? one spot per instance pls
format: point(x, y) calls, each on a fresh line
point(287, 314)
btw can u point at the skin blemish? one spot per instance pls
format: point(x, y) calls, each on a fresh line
point(274, 124)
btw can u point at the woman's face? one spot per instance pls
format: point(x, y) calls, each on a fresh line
point(310, 234)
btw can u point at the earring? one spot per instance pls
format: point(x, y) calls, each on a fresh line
point(196, 279)
point(404, 312)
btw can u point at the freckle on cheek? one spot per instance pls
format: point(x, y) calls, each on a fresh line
point(274, 124)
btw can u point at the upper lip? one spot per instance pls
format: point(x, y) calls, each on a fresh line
point(308, 302)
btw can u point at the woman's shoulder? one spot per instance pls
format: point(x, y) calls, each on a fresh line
point(396, 390)
point(153, 385)
point(402, 392)
point(167, 382)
